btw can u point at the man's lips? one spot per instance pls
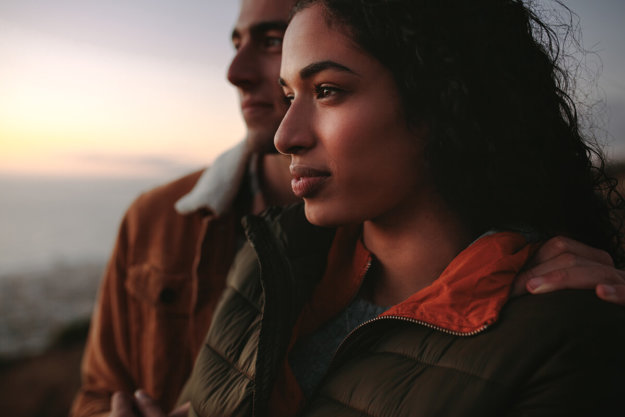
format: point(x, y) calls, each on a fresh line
point(248, 105)
point(307, 181)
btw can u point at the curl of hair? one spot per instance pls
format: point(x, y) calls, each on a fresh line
point(504, 145)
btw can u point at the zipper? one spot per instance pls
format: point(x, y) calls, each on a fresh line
point(415, 321)
point(402, 318)
point(406, 319)
point(269, 251)
point(279, 303)
point(342, 346)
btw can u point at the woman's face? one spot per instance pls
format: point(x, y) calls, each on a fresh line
point(353, 156)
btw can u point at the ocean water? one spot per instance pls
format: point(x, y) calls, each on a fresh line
point(56, 235)
point(50, 221)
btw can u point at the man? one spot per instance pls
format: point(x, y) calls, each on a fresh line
point(169, 264)
point(176, 244)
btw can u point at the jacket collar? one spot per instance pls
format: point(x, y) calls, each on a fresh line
point(469, 294)
point(217, 187)
point(464, 299)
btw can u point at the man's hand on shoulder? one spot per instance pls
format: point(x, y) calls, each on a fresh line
point(142, 405)
point(566, 263)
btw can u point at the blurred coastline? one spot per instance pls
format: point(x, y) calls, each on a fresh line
point(36, 307)
point(56, 236)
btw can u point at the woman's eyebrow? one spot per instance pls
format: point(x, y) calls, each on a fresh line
point(316, 67)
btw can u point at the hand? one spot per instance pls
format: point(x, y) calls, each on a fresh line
point(123, 405)
point(565, 263)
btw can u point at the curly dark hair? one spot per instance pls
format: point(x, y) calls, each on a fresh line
point(504, 146)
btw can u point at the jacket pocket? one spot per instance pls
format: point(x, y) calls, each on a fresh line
point(167, 292)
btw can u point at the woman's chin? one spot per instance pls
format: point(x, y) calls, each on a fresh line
point(326, 217)
point(317, 219)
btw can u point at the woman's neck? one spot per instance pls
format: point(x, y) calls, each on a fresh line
point(411, 250)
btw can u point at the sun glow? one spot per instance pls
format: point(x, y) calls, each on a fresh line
point(68, 108)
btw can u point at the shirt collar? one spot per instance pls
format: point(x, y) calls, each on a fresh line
point(217, 187)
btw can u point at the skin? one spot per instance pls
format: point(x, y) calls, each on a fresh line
point(335, 126)
point(254, 72)
point(565, 263)
point(123, 405)
point(257, 40)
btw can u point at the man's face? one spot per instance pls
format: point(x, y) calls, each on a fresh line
point(257, 38)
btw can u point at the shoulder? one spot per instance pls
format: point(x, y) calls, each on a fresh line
point(567, 321)
point(165, 196)
point(567, 312)
point(156, 207)
point(564, 353)
point(574, 345)
point(152, 221)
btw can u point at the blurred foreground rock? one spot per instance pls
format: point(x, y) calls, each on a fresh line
point(44, 319)
point(44, 385)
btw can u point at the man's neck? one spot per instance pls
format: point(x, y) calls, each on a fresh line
point(275, 182)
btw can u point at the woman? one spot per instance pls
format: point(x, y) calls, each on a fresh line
point(433, 144)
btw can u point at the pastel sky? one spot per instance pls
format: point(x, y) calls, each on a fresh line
point(137, 87)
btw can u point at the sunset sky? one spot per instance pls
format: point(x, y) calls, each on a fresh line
point(121, 87)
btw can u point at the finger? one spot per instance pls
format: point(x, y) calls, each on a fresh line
point(550, 269)
point(121, 405)
point(559, 245)
point(147, 406)
point(579, 277)
point(559, 262)
point(181, 411)
point(612, 293)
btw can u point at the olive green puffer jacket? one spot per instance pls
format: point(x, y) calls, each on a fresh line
point(561, 354)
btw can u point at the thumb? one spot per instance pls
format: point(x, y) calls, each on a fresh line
point(147, 406)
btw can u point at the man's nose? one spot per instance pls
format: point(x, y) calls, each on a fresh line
point(244, 70)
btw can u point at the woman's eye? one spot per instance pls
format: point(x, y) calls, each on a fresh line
point(324, 91)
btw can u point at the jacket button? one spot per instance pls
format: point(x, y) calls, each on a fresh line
point(167, 296)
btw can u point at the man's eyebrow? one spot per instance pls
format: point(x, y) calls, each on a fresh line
point(316, 67)
point(262, 27)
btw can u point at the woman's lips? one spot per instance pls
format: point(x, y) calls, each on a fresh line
point(306, 181)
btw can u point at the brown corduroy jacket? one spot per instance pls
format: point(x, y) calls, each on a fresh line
point(158, 293)
point(156, 300)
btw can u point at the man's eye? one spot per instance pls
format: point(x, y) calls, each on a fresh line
point(288, 99)
point(273, 42)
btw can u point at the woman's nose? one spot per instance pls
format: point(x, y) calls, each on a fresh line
point(294, 134)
